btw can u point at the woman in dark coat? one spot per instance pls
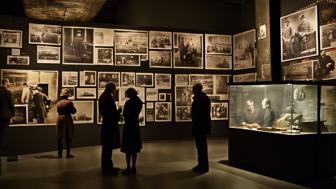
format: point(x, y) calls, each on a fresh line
point(65, 126)
point(131, 140)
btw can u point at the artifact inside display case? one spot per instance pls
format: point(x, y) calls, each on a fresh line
point(328, 108)
point(282, 108)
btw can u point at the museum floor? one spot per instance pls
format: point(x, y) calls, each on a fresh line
point(160, 165)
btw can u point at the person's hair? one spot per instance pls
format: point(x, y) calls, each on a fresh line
point(131, 92)
point(4, 81)
point(197, 87)
point(267, 101)
point(110, 85)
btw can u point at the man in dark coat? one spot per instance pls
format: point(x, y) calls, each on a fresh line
point(110, 136)
point(268, 116)
point(201, 126)
point(327, 64)
point(6, 111)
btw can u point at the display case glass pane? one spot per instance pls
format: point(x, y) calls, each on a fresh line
point(328, 109)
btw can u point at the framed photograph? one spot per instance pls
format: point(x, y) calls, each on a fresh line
point(48, 54)
point(127, 60)
point(77, 45)
point(131, 42)
point(328, 36)
point(27, 86)
point(85, 112)
point(162, 96)
point(16, 52)
point(181, 79)
point(299, 34)
point(219, 111)
point(149, 105)
point(43, 34)
point(325, 66)
point(244, 50)
point(150, 115)
point(72, 92)
point(69, 79)
point(183, 113)
point(127, 79)
point(105, 77)
point(266, 72)
point(163, 112)
point(301, 71)
point(152, 94)
point(188, 50)
point(142, 116)
point(206, 80)
point(168, 97)
point(144, 79)
point(248, 77)
point(218, 62)
point(20, 117)
point(87, 78)
point(103, 37)
point(86, 93)
point(221, 85)
point(160, 59)
point(103, 56)
point(218, 44)
point(183, 96)
point(162, 81)
point(262, 32)
point(160, 40)
point(123, 99)
point(10, 38)
point(17, 60)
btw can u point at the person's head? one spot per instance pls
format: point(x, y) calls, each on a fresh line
point(4, 82)
point(197, 88)
point(65, 93)
point(250, 103)
point(302, 18)
point(110, 87)
point(78, 33)
point(130, 93)
point(286, 21)
point(266, 103)
point(323, 53)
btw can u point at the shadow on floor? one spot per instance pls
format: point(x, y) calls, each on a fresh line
point(47, 156)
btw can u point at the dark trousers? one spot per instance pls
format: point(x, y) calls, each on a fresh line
point(202, 151)
point(4, 124)
point(60, 145)
point(106, 158)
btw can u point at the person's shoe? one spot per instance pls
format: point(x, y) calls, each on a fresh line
point(133, 171)
point(199, 169)
point(69, 156)
point(110, 173)
point(115, 169)
point(126, 172)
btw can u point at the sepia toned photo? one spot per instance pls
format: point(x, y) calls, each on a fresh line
point(103, 37)
point(77, 45)
point(162, 81)
point(219, 111)
point(85, 112)
point(162, 96)
point(205, 79)
point(249, 77)
point(150, 115)
point(221, 85)
point(48, 54)
point(10, 38)
point(163, 112)
point(218, 44)
point(181, 79)
point(127, 79)
point(160, 59)
point(266, 72)
point(152, 94)
point(262, 32)
point(72, 92)
point(218, 62)
point(87, 78)
point(131, 42)
point(188, 50)
point(183, 96)
point(103, 56)
point(105, 77)
point(160, 40)
point(127, 60)
point(144, 79)
point(149, 105)
point(86, 93)
point(244, 50)
point(301, 71)
point(328, 36)
point(183, 113)
point(324, 67)
point(20, 117)
point(69, 79)
point(299, 34)
point(18, 60)
point(43, 34)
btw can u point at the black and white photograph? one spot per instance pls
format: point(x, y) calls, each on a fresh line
point(77, 45)
point(183, 113)
point(105, 77)
point(188, 50)
point(16, 52)
point(218, 44)
point(103, 37)
point(299, 34)
point(262, 32)
point(18, 60)
point(43, 34)
point(327, 13)
point(244, 50)
point(301, 71)
point(218, 62)
point(85, 112)
point(248, 77)
point(127, 79)
point(183, 96)
point(149, 105)
point(141, 93)
point(131, 42)
point(48, 54)
point(328, 36)
point(20, 117)
point(144, 79)
point(152, 94)
point(142, 116)
point(221, 85)
point(38, 90)
point(10, 38)
point(205, 79)
point(181, 79)
point(163, 112)
point(123, 99)
point(162, 97)
point(324, 67)
point(86, 93)
point(69, 79)
point(103, 56)
point(160, 40)
point(219, 111)
point(150, 115)
point(127, 60)
point(162, 81)
point(72, 92)
point(87, 78)
point(160, 59)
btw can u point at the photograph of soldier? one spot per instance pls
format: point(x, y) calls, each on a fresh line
point(45, 34)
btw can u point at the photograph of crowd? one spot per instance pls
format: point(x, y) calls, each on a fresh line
point(248, 77)
point(105, 77)
point(328, 36)
point(86, 93)
point(84, 112)
point(127, 60)
point(144, 79)
point(45, 34)
point(244, 50)
point(69, 79)
point(299, 34)
point(152, 94)
point(127, 79)
point(188, 50)
point(219, 111)
point(131, 42)
point(163, 112)
point(77, 45)
point(87, 78)
point(103, 56)
point(103, 37)
point(48, 54)
point(18, 60)
point(10, 38)
point(160, 59)
point(181, 79)
point(162, 81)
point(218, 62)
point(218, 44)
point(160, 40)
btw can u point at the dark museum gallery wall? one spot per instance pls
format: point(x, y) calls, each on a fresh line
point(178, 16)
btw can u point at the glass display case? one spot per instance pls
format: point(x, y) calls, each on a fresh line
point(328, 109)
